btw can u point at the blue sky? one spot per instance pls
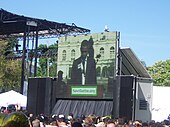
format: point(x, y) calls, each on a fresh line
point(144, 24)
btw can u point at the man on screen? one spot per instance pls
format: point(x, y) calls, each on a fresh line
point(84, 68)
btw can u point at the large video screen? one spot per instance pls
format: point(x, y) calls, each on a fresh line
point(88, 60)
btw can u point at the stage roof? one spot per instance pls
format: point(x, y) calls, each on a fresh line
point(13, 24)
point(131, 65)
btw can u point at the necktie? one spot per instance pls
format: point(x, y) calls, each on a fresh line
point(83, 62)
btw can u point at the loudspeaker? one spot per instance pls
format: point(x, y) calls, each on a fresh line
point(39, 98)
point(126, 97)
point(123, 97)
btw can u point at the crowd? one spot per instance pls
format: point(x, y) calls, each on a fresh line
point(91, 120)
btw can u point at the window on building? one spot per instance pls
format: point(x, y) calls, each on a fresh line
point(103, 38)
point(112, 52)
point(72, 55)
point(102, 53)
point(64, 55)
point(105, 71)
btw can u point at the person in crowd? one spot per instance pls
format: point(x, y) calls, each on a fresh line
point(70, 116)
point(36, 123)
point(137, 123)
point(76, 124)
point(110, 124)
point(30, 118)
point(94, 118)
point(61, 121)
point(3, 109)
point(88, 122)
point(84, 68)
point(60, 78)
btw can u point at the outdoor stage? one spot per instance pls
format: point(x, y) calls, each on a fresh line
point(46, 96)
point(131, 100)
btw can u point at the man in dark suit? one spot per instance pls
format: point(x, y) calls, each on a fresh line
point(84, 68)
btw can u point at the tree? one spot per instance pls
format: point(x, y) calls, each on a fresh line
point(53, 49)
point(9, 48)
point(47, 60)
point(42, 63)
point(9, 69)
point(11, 78)
point(2, 61)
point(160, 72)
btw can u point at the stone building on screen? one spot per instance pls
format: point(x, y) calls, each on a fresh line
point(104, 45)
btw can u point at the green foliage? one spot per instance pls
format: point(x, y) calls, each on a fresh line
point(2, 117)
point(53, 60)
point(3, 45)
point(160, 72)
point(53, 69)
point(15, 119)
point(42, 68)
point(12, 74)
point(11, 43)
point(48, 58)
point(9, 69)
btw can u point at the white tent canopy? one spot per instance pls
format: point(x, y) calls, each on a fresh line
point(12, 97)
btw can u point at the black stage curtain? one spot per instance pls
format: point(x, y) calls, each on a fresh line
point(83, 107)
